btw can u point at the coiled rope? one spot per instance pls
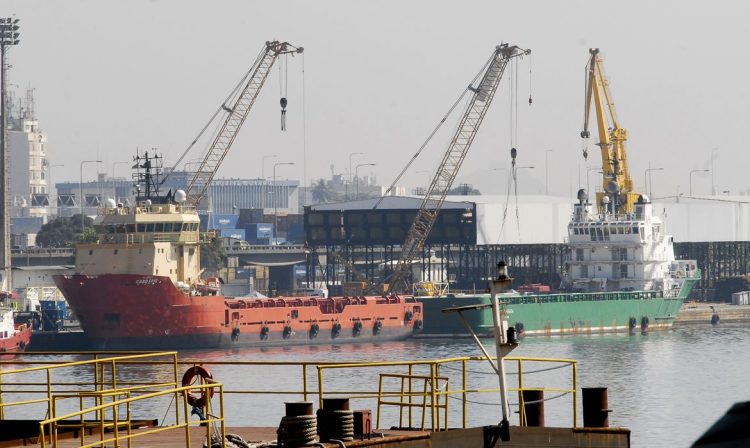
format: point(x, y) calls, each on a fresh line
point(297, 431)
point(336, 425)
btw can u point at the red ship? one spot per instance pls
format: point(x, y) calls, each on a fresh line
point(139, 287)
point(13, 338)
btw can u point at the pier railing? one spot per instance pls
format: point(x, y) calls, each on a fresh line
point(430, 394)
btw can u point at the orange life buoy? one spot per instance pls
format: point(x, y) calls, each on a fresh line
point(187, 380)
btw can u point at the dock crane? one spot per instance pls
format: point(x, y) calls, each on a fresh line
point(237, 113)
point(432, 203)
point(618, 196)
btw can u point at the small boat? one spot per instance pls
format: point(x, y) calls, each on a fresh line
point(13, 338)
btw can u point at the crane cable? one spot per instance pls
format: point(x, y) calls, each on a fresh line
point(222, 107)
point(434, 131)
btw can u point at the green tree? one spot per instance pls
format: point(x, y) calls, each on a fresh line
point(65, 232)
point(213, 257)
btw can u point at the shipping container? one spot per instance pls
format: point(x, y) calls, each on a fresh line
point(233, 233)
point(215, 221)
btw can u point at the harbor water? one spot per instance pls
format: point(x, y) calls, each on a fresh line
point(668, 387)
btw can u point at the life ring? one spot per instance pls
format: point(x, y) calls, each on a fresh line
point(287, 333)
point(408, 316)
point(335, 330)
point(264, 332)
point(235, 333)
point(314, 329)
point(418, 325)
point(200, 400)
point(377, 327)
point(357, 328)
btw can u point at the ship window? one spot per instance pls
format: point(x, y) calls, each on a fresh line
point(192, 251)
point(110, 229)
point(295, 314)
point(579, 254)
point(623, 271)
point(141, 228)
point(185, 227)
point(195, 226)
point(130, 228)
point(635, 230)
point(150, 227)
point(584, 271)
point(159, 227)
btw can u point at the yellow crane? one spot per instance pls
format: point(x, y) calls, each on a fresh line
point(616, 180)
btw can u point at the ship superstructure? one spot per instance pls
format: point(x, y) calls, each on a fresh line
point(622, 252)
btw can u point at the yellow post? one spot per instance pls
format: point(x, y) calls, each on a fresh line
point(176, 385)
point(2, 408)
point(304, 381)
point(401, 401)
point(223, 420)
point(187, 418)
point(411, 397)
point(464, 397)
point(433, 378)
point(521, 403)
point(320, 387)
point(380, 398)
point(575, 396)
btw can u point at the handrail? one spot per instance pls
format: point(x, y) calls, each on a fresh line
point(178, 391)
point(307, 384)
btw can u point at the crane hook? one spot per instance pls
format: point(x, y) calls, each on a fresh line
point(513, 154)
point(283, 103)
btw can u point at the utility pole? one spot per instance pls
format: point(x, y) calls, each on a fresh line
point(8, 37)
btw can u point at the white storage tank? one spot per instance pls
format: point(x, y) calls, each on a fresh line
point(741, 298)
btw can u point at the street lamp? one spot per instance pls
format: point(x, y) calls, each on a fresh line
point(114, 187)
point(647, 175)
point(80, 204)
point(276, 198)
point(263, 176)
point(546, 172)
point(351, 179)
point(691, 179)
point(356, 176)
point(8, 37)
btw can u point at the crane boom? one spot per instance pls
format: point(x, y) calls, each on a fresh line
point(237, 114)
point(616, 178)
point(454, 156)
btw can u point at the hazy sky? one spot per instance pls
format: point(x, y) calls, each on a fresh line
point(113, 76)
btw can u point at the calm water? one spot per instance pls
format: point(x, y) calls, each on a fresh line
point(667, 387)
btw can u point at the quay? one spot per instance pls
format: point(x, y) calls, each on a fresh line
point(704, 312)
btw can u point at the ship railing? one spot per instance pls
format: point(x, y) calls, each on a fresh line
point(451, 391)
point(35, 385)
point(116, 429)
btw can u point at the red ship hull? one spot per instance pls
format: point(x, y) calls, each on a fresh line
point(123, 311)
point(16, 343)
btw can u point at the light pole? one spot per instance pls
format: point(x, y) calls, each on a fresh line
point(263, 176)
point(276, 198)
point(351, 179)
point(713, 184)
point(114, 187)
point(546, 172)
point(691, 179)
point(8, 37)
point(647, 175)
point(83, 221)
point(356, 176)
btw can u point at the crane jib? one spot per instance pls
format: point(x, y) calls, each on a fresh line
point(452, 160)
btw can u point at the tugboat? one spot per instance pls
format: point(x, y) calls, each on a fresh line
point(13, 338)
point(140, 287)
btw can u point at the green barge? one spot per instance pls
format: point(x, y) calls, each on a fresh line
point(561, 313)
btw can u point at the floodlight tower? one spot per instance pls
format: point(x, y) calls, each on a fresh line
point(9, 36)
